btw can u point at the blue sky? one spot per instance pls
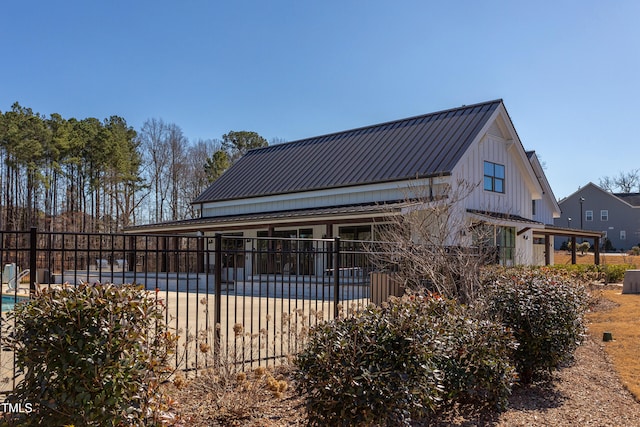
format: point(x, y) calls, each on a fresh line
point(568, 71)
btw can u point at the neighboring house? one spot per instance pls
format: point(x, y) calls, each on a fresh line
point(616, 215)
point(348, 183)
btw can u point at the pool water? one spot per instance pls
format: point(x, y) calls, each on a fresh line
point(9, 302)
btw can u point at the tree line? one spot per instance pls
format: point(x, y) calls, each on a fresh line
point(91, 175)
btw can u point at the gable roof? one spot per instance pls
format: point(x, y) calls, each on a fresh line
point(632, 198)
point(544, 183)
point(416, 147)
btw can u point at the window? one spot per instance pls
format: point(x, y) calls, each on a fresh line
point(604, 234)
point(232, 250)
point(604, 215)
point(506, 242)
point(359, 232)
point(533, 207)
point(623, 235)
point(588, 215)
point(284, 253)
point(493, 177)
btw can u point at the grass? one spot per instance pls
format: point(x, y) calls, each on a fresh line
point(623, 321)
point(564, 257)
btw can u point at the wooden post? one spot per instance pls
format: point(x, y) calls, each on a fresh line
point(547, 250)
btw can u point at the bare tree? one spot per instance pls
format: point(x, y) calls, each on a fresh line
point(606, 183)
point(153, 138)
point(625, 182)
point(198, 178)
point(177, 144)
point(432, 245)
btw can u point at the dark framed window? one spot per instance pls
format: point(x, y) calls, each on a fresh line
point(506, 241)
point(494, 177)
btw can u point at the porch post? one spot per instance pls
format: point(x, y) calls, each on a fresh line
point(596, 257)
point(200, 253)
point(547, 250)
point(336, 277)
point(271, 256)
point(162, 246)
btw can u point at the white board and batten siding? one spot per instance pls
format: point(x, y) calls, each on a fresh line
point(499, 144)
point(517, 196)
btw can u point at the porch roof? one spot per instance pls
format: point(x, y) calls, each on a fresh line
point(506, 219)
point(552, 230)
point(312, 216)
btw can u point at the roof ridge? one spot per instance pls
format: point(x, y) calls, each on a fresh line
point(375, 125)
point(414, 147)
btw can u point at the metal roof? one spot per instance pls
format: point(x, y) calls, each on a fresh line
point(416, 147)
point(499, 216)
point(362, 209)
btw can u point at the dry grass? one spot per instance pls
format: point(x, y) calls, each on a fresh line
point(564, 257)
point(623, 321)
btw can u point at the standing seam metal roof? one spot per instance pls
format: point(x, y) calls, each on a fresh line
point(416, 147)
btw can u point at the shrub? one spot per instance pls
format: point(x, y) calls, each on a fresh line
point(476, 364)
point(588, 273)
point(635, 251)
point(90, 355)
point(367, 368)
point(584, 273)
point(545, 314)
point(583, 247)
point(401, 361)
point(614, 273)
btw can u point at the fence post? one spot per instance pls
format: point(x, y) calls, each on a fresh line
point(336, 276)
point(33, 261)
point(217, 315)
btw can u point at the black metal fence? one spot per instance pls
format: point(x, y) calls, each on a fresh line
point(248, 300)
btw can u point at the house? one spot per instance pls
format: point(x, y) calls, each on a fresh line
point(349, 183)
point(616, 215)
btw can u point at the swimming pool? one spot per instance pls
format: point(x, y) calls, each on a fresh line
point(9, 301)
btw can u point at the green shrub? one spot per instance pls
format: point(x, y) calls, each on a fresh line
point(365, 369)
point(90, 355)
point(545, 313)
point(390, 364)
point(583, 247)
point(588, 273)
point(614, 273)
point(476, 364)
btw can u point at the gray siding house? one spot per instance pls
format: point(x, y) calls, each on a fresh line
point(616, 215)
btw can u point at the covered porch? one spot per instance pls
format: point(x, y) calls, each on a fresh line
point(573, 235)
